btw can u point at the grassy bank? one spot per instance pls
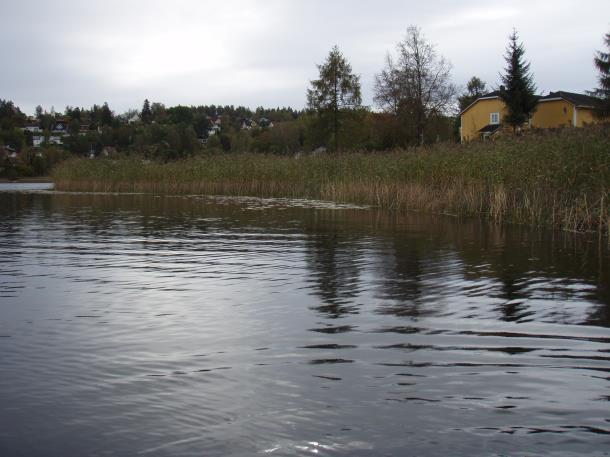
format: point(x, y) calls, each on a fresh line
point(559, 179)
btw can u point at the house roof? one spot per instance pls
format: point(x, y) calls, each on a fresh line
point(493, 94)
point(578, 100)
point(488, 96)
point(490, 128)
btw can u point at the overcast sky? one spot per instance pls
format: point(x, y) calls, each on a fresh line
point(264, 52)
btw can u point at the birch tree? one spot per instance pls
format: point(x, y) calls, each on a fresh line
point(416, 84)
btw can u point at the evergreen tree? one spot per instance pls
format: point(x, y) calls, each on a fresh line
point(335, 92)
point(10, 115)
point(106, 115)
point(602, 62)
point(146, 114)
point(518, 90)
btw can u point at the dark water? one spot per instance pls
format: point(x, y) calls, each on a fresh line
point(159, 326)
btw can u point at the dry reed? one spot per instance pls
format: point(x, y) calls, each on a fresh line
point(558, 179)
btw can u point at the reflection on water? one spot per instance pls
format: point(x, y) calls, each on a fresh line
point(215, 326)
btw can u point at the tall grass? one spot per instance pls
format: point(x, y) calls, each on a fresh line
point(559, 179)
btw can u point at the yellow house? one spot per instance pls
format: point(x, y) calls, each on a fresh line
point(483, 118)
point(562, 109)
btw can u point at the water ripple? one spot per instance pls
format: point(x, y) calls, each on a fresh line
point(215, 326)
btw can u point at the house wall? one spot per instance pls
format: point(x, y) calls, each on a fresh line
point(587, 116)
point(548, 114)
point(560, 113)
point(478, 116)
point(553, 114)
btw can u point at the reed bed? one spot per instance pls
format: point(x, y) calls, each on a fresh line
point(558, 179)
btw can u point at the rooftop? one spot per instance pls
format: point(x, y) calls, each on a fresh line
point(575, 99)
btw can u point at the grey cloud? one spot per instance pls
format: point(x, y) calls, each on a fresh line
point(264, 52)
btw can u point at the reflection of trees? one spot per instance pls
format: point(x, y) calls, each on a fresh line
point(404, 248)
point(401, 271)
point(515, 255)
point(12, 239)
point(600, 315)
point(511, 290)
point(510, 269)
point(334, 264)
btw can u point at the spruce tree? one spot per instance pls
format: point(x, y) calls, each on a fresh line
point(518, 90)
point(146, 114)
point(602, 62)
point(106, 115)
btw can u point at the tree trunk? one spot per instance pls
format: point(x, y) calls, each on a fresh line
point(336, 114)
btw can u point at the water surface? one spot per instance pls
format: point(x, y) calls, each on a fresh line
point(192, 326)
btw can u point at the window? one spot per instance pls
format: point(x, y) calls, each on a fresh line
point(494, 118)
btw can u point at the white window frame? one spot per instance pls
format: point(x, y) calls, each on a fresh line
point(496, 116)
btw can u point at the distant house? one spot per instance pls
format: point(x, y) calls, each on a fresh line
point(37, 140)
point(213, 130)
point(265, 122)
point(484, 117)
point(10, 151)
point(248, 124)
point(60, 126)
point(134, 119)
point(33, 128)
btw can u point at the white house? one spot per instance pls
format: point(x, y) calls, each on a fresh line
point(60, 126)
point(248, 124)
point(214, 129)
point(133, 119)
point(32, 128)
point(265, 122)
point(37, 140)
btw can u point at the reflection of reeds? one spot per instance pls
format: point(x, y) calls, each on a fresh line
point(559, 178)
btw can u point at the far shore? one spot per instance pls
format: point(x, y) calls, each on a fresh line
point(30, 180)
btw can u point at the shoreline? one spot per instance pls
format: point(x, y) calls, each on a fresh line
point(554, 179)
point(30, 180)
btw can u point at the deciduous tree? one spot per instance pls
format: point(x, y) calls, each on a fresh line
point(158, 112)
point(417, 84)
point(475, 88)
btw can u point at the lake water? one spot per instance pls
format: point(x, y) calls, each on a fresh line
point(192, 326)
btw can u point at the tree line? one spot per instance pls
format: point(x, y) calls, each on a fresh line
point(415, 98)
point(415, 91)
